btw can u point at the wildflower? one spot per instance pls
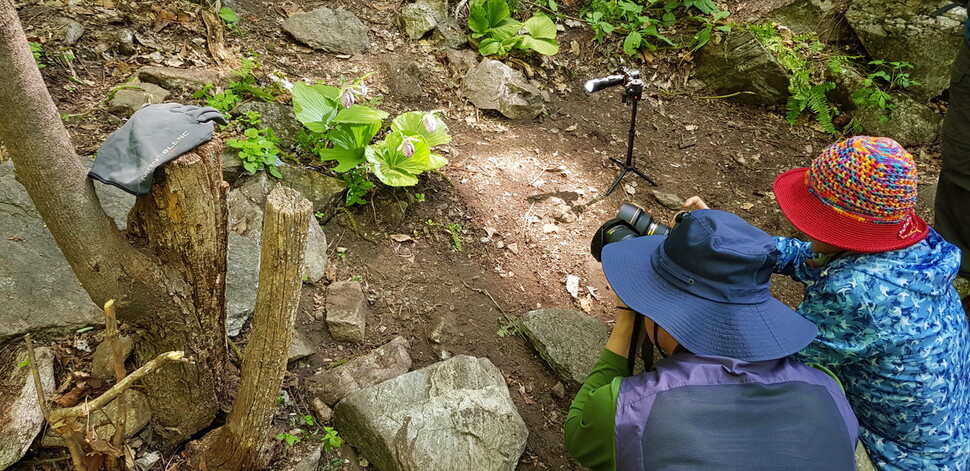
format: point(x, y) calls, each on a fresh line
point(430, 122)
point(347, 98)
point(406, 147)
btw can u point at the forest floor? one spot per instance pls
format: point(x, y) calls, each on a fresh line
point(527, 195)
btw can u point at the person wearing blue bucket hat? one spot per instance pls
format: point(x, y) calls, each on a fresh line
point(726, 395)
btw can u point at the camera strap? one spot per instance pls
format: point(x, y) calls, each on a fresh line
point(631, 357)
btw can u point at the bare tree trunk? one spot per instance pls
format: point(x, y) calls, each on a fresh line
point(105, 263)
point(184, 221)
point(241, 443)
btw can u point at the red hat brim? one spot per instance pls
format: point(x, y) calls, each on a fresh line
point(823, 223)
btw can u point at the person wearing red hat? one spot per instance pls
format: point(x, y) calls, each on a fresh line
point(879, 286)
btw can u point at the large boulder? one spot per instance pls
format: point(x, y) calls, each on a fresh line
point(492, 85)
point(38, 289)
point(903, 30)
point(568, 340)
point(387, 362)
point(20, 416)
point(826, 18)
point(743, 64)
point(337, 31)
point(455, 414)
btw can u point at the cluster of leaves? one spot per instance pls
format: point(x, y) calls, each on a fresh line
point(38, 51)
point(891, 75)
point(344, 131)
point(805, 58)
point(230, 18)
point(499, 34)
point(260, 148)
point(642, 23)
point(327, 435)
point(245, 86)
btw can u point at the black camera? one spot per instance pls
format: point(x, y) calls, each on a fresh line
point(630, 221)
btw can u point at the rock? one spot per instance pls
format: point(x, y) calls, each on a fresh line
point(743, 64)
point(310, 462)
point(180, 80)
point(404, 80)
point(125, 42)
point(346, 311)
point(492, 85)
point(102, 364)
point(902, 30)
point(449, 34)
point(298, 348)
point(72, 31)
point(417, 19)
point(137, 415)
point(38, 290)
point(456, 414)
point(325, 193)
point(20, 416)
point(148, 461)
point(393, 214)
point(245, 234)
point(671, 201)
point(129, 100)
point(826, 18)
point(389, 361)
point(232, 166)
point(337, 31)
point(461, 60)
point(558, 391)
point(568, 340)
point(323, 411)
point(277, 116)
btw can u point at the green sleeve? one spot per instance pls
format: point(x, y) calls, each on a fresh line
point(589, 425)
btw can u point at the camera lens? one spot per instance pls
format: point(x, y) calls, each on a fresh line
point(613, 230)
point(642, 222)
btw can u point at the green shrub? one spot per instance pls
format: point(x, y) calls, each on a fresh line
point(499, 34)
point(642, 26)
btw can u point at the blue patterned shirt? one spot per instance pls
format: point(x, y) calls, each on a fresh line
point(892, 329)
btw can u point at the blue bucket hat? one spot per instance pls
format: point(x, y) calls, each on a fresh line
point(707, 285)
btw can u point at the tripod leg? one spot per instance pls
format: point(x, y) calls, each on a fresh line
point(638, 172)
point(617, 181)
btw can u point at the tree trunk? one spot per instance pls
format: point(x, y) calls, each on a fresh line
point(241, 443)
point(170, 287)
point(184, 221)
point(45, 163)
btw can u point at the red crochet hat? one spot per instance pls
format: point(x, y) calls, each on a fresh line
point(858, 195)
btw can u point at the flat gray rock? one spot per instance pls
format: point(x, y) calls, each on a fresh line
point(38, 289)
point(456, 414)
point(568, 340)
point(389, 361)
point(492, 85)
point(346, 311)
point(180, 80)
point(132, 98)
point(20, 416)
point(826, 18)
point(337, 31)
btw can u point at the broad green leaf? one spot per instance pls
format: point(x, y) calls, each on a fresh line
point(313, 108)
point(540, 27)
point(386, 173)
point(228, 15)
point(489, 47)
point(498, 10)
point(548, 47)
point(436, 161)
point(631, 45)
point(478, 17)
point(354, 136)
point(360, 114)
point(412, 122)
point(346, 158)
point(394, 168)
point(506, 30)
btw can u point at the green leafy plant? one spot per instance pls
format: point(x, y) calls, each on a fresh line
point(343, 131)
point(331, 439)
point(23, 364)
point(891, 75)
point(643, 24)
point(37, 50)
point(229, 17)
point(357, 186)
point(309, 420)
point(288, 439)
point(258, 151)
point(455, 230)
point(245, 86)
point(498, 34)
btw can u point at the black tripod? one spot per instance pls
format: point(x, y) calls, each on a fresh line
point(632, 93)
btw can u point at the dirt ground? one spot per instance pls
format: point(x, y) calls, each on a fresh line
point(527, 195)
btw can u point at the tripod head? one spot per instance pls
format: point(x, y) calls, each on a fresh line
point(629, 78)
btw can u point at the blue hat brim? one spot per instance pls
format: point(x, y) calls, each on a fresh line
point(749, 332)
